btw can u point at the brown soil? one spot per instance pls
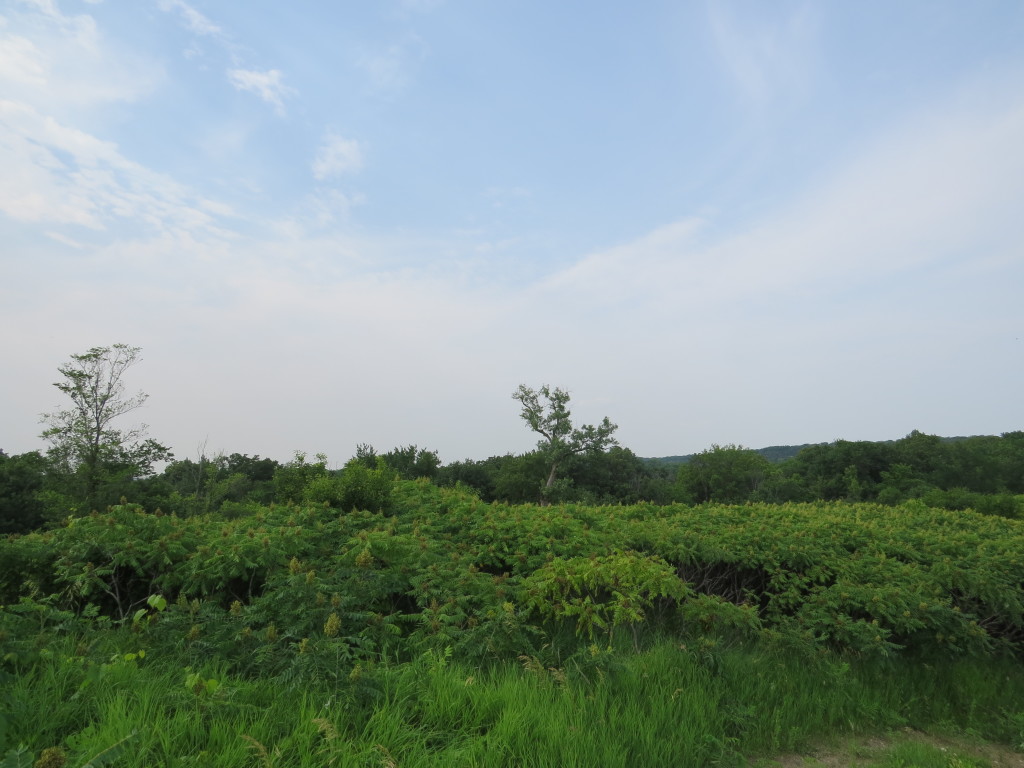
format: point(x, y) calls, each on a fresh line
point(865, 751)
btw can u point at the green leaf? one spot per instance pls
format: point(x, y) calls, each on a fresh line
point(112, 752)
point(158, 602)
point(18, 758)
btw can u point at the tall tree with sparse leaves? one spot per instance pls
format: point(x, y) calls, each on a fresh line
point(546, 412)
point(88, 453)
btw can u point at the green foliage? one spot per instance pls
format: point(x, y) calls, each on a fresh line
point(92, 464)
point(764, 605)
point(198, 487)
point(292, 479)
point(157, 604)
point(411, 462)
point(1002, 504)
point(602, 593)
point(727, 474)
point(516, 479)
point(478, 475)
point(703, 704)
point(92, 461)
point(21, 480)
point(826, 469)
point(19, 757)
point(900, 483)
point(356, 486)
point(26, 567)
point(551, 420)
point(918, 466)
point(54, 757)
point(297, 615)
point(868, 578)
point(366, 489)
point(617, 476)
point(600, 477)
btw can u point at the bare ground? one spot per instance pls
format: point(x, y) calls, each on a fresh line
point(865, 751)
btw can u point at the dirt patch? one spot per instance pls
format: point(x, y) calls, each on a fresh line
point(869, 750)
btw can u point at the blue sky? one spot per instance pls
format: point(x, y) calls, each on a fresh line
point(339, 223)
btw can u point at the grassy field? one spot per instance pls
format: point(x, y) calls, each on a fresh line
point(447, 632)
point(665, 706)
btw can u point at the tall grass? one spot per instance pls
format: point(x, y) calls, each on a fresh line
point(666, 706)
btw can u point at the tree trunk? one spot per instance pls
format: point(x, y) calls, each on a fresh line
point(551, 476)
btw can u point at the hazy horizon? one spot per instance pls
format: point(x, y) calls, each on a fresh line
point(712, 222)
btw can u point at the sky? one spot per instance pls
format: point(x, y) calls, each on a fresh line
point(328, 224)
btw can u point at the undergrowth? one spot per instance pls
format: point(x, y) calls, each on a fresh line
point(672, 704)
point(457, 633)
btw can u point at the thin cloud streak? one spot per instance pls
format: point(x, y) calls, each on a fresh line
point(268, 85)
point(69, 65)
point(337, 156)
point(923, 195)
point(194, 20)
point(61, 175)
point(390, 69)
point(766, 60)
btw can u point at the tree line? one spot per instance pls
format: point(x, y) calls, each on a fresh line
point(985, 473)
point(92, 462)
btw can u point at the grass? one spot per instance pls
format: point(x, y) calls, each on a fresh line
point(666, 706)
point(917, 754)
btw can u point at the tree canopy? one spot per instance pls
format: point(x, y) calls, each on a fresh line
point(551, 419)
point(87, 450)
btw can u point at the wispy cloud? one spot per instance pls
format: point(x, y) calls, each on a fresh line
point(46, 6)
point(194, 20)
point(419, 6)
point(60, 175)
point(336, 156)
point(62, 238)
point(67, 64)
point(390, 68)
point(329, 206)
point(21, 61)
point(925, 196)
point(766, 58)
point(267, 85)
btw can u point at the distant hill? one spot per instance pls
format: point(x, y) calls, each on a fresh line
point(773, 453)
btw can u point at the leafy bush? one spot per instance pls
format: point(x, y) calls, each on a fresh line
point(357, 487)
point(499, 580)
point(602, 593)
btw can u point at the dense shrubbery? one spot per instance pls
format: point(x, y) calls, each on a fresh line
point(438, 567)
point(378, 611)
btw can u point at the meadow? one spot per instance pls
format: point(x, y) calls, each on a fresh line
point(441, 630)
